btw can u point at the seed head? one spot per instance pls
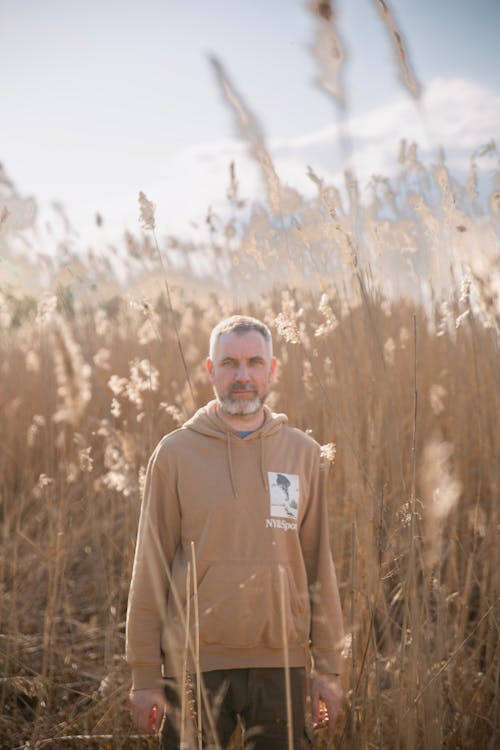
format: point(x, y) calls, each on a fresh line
point(146, 212)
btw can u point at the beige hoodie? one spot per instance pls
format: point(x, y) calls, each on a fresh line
point(250, 515)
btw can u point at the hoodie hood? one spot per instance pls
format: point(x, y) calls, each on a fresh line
point(207, 422)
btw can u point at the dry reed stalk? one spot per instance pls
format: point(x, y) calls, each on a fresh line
point(377, 689)
point(328, 49)
point(413, 499)
point(185, 660)
point(400, 52)
point(352, 630)
point(197, 649)
point(147, 218)
point(193, 648)
point(249, 129)
point(409, 582)
point(10, 655)
point(286, 659)
point(53, 587)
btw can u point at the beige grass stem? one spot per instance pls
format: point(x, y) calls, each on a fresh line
point(185, 659)
point(193, 648)
point(400, 50)
point(147, 219)
point(352, 620)
point(197, 648)
point(286, 658)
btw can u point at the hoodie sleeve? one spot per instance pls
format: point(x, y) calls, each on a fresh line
point(327, 631)
point(157, 540)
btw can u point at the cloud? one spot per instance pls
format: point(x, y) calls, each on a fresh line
point(455, 114)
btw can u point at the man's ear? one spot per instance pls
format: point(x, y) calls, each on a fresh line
point(210, 369)
point(272, 372)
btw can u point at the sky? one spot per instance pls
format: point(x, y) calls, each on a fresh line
point(104, 98)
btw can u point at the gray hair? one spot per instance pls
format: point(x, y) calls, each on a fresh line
point(239, 324)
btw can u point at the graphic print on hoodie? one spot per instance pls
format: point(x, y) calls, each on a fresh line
point(284, 494)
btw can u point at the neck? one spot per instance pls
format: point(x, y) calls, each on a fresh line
point(245, 422)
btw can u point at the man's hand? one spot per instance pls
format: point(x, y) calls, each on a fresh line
point(326, 697)
point(148, 708)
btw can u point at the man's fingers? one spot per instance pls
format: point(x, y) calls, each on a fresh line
point(147, 708)
point(319, 711)
point(326, 701)
point(320, 716)
point(325, 717)
point(143, 720)
point(154, 719)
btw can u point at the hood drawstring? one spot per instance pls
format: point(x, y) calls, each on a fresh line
point(263, 476)
point(262, 472)
point(230, 464)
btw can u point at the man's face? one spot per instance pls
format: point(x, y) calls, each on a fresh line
point(241, 372)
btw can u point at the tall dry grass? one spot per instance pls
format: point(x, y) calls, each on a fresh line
point(386, 320)
point(400, 385)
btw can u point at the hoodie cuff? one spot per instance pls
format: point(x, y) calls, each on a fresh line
point(327, 662)
point(144, 678)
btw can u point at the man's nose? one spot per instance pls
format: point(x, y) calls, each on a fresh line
point(243, 373)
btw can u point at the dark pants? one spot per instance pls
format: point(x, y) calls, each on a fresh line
point(255, 698)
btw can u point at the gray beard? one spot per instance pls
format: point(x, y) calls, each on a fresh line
point(241, 407)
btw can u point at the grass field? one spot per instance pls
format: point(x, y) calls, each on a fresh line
point(385, 312)
point(404, 385)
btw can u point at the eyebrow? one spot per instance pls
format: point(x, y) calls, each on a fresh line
point(255, 358)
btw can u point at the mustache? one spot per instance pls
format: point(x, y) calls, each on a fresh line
point(242, 387)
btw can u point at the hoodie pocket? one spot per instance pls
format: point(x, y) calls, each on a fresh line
point(240, 606)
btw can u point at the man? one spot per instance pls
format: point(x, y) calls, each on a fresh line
point(233, 578)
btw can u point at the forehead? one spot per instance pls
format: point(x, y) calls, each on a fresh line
point(240, 345)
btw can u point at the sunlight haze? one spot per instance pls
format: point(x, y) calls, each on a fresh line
point(101, 100)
